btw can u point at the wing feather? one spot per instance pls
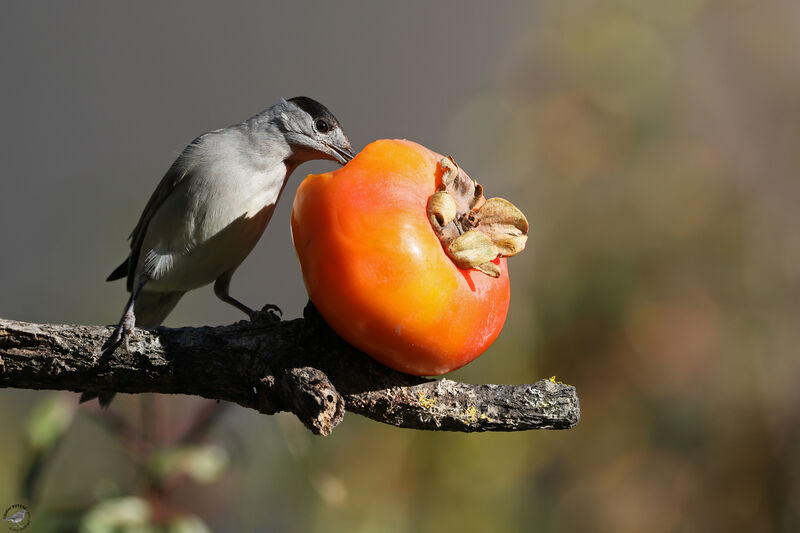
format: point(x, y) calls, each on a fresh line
point(176, 173)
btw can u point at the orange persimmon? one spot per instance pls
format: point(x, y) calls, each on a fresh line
point(378, 273)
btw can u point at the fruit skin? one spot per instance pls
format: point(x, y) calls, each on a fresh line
point(376, 271)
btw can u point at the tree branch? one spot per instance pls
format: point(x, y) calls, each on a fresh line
point(299, 365)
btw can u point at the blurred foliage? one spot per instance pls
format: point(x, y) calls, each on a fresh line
point(48, 422)
point(653, 146)
point(135, 515)
point(204, 464)
point(47, 425)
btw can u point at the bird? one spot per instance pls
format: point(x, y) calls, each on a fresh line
point(17, 517)
point(211, 208)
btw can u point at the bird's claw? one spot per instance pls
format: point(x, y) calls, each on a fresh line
point(273, 308)
point(269, 313)
point(122, 333)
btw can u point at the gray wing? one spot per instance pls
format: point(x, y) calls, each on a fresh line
point(179, 170)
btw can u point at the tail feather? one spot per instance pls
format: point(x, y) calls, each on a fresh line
point(151, 308)
point(119, 272)
point(103, 398)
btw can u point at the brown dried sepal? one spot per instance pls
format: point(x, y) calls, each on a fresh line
point(474, 231)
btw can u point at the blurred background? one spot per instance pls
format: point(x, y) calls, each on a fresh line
point(654, 148)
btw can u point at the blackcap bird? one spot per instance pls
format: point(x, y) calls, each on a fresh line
point(212, 206)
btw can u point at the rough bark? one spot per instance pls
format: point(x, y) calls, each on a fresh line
point(298, 365)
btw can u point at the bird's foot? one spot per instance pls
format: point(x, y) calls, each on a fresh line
point(122, 333)
point(269, 313)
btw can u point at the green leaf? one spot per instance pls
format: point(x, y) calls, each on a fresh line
point(49, 421)
point(128, 515)
point(187, 524)
point(204, 464)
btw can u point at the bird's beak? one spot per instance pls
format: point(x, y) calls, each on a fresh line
point(341, 154)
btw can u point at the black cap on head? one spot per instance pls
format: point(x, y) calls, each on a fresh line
point(314, 108)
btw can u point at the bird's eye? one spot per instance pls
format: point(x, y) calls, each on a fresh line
point(321, 125)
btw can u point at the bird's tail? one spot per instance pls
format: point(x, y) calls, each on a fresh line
point(119, 272)
point(150, 309)
point(103, 398)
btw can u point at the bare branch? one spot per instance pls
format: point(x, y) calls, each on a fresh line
point(299, 366)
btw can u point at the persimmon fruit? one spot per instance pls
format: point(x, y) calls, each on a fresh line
point(389, 267)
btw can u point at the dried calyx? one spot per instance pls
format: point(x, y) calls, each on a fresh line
point(473, 230)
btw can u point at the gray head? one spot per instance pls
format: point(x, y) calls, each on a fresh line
point(311, 130)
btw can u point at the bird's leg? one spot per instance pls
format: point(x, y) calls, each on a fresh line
point(127, 323)
point(121, 334)
point(268, 313)
point(124, 329)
